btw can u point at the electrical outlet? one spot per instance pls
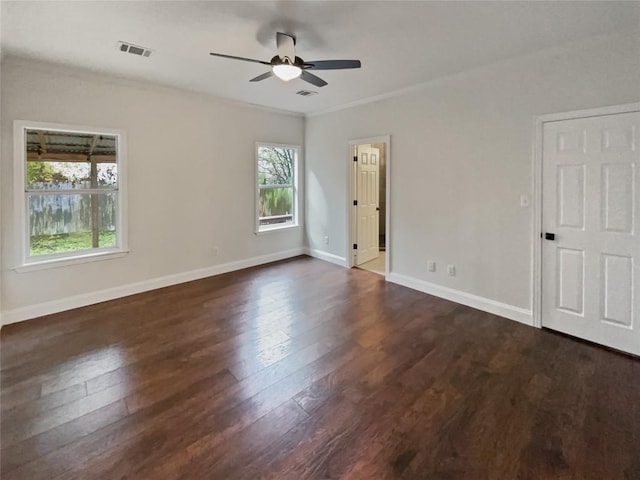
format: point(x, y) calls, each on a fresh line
point(451, 270)
point(326, 239)
point(431, 266)
point(216, 251)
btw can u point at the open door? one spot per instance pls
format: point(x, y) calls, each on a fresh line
point(367, 203)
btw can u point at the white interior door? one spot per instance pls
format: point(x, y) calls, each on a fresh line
point(590, 270)
point(368, 191)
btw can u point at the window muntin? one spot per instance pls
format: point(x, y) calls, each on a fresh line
point(277, 186)
point(71, 187)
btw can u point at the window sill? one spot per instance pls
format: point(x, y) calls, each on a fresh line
point(65, 262)
point(277, 228)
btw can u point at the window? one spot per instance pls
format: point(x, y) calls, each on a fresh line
point(277, 186)
point(69, 193)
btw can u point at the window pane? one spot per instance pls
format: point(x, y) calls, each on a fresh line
point(276, 206)
point(275, 165)
point(63, 223)
point(62, 160)
point(58, 175)
point(107, 212)
point(107, 175)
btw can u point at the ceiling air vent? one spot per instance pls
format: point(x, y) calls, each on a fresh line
point(134, 49)
point(306, 93)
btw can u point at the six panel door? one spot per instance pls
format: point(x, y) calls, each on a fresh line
point(368, 191)
point(590, 270)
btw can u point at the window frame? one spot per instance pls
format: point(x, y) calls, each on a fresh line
point(24, 262)
point(260, 229)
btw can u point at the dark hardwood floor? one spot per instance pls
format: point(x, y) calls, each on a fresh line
point(302, 369)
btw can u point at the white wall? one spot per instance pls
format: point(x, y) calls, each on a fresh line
point(191, 182)
point(1, 263)
point(461, 156)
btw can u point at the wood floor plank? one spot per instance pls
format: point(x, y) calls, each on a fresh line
point(304, 370)
point(237, 407)
point(17, 395)
point(38, 446)
point(18, 429)
point(35, 407)
point(75, 454)
point(250, 442)
point(324, 423)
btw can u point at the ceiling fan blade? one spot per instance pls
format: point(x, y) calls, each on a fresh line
point(332, 64)
point(311, 78)
point(286, 46)
point(239, 58)
point(262, 77)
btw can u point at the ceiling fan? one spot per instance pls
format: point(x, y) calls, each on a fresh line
point(286, 66)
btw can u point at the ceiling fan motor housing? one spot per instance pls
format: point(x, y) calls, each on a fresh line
point(298, 62)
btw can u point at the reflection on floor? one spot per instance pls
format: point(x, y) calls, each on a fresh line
point(376, 265)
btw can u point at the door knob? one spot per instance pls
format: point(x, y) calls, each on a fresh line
point(549, 236)
point(377, 209)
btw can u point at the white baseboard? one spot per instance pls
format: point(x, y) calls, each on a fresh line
point(480, 303)
point(327, 257)
point(68, 303)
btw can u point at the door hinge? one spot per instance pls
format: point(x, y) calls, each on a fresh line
point(355, 246)
point(355, 159)
point(355, 203)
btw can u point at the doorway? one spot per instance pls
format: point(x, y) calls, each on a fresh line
point(368, 207)
point(589, 252)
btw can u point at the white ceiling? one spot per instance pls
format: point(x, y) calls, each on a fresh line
point(399, 43)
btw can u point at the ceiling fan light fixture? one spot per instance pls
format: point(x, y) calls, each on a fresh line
point(286, 71)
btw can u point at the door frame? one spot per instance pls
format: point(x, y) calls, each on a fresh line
point(351, 189)
point(537, 189)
